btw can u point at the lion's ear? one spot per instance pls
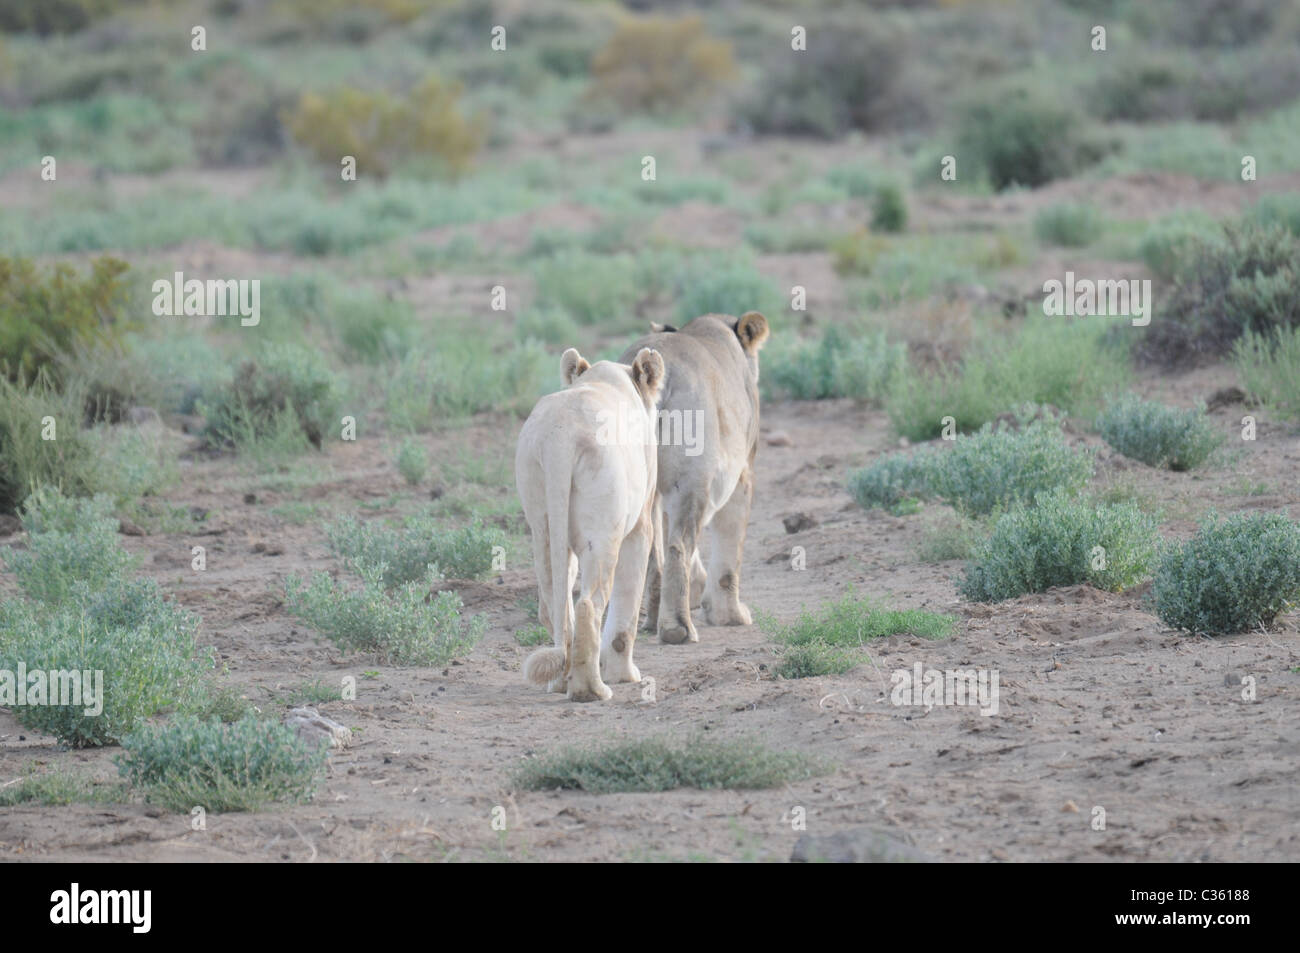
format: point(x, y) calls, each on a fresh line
point(752, 331)
point(658, 328)
point(571, 365)
point(648, 372)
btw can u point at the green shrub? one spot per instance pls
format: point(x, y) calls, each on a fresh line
point(285, 389)
point(892, 479)
point(1054, 542)
point(839, 364)
point(68, 541)
point(143, 645)
point(889, 209)
point(660, 765)
point(462, 553)
point(531, 635)
point(724, 285)
point(1269, 368)
point(552, 326)
point(1168, 244)
point(1157, 435)
point(1070, 226)
point(464, 375)
point(1068, 366)
point(658, 64)
point(45, 17)
point(59, 789)
point(1281, 209)
point(412, 462)
point(1235, 574)
point(855, 74)
point(27, 459)
point(43, 315)
point(397, 624)
point(425, 131)
point(856, 253)
point(1249, 279)
point(188, 763)
point(1018, 139)
point(589, 288)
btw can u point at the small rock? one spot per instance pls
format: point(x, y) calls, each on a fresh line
point(250, 498)
point(1224, 397)
point(1069, 807)
point(9, 524)
point(779, 438)
point(198, 514)
point(860, 846)
point(798, 522)
point(268, 549)
point(436, 492)
point(314, 728)
point(127, 528)
point(1232, 680)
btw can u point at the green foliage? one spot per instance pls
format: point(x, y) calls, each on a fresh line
point(51, 16)
point(27, 459)
point(839, 364)
point(589, 288)
point(1235, 574)
point(59, 789)
point(659, 765)
point(461, 553)
point(426, 131)
point(892, 479)
point(1169, 243)
point(412, 462)
point(219, 767)
point(822, 642)
point(286, 390)
point(69, 540)
point(889, 209)
point(658, 64)
point(855, 74)
point(1269, 368)
point(1247, 280)
point(856, 253)
point(462, 375)
point(1068, 366)
point(397, 624)
point(1157, 435)
point(723, 285)
point(1054, 542)
point(1070, 226)
point(142, 643)
point(531, 635)
point(1015, 138)
point(46, 314)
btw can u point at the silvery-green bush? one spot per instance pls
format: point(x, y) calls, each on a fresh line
point(69, 540)
point(1234, 574)
point(1055, 542)
point(406, 552)
point(1158, 435)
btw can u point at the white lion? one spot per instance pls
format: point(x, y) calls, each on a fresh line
point(586, 467)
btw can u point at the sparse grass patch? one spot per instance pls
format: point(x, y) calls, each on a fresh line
point(237, 767)
point(1269, 368)
point(950, 539)
point(534, 634)
point(465, 552)
point(1069, 226)
point(660, 765)
point(839, 364)
point(59, 789)
point(1235, 574)
point(1157, 435)
point(412, 462)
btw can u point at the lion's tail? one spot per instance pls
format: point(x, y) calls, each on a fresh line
point(544, 665)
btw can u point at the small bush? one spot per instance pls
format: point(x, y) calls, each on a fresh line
point(856, 253)
point(425, 130)
point(1235, 574)
point(68, 541)
point(889, 209)
point(657, 64)
point(1157, 435)
point(1054, 542)
point(892, 479)
point(412, 462)
point(840, 364)
point(27, 459)
point(1070, 226)
point(46, 314)
point(463, 553)
point(286, 389)
point(949, 540)
point(724, 285)
point(659, 765)
point(45, 17)
point(143, 645)
point(1248, 279)
point(589, 288)
point(1168, 244)
point(531, 635)
point(220, 767)
point(854, 75)
point(1269, 368)
point(464, 375)
point(397, 624)
point(1018, 139)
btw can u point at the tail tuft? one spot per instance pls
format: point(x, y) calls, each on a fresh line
point(544, 665)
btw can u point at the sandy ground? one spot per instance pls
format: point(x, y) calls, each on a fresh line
point(1100, 705)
